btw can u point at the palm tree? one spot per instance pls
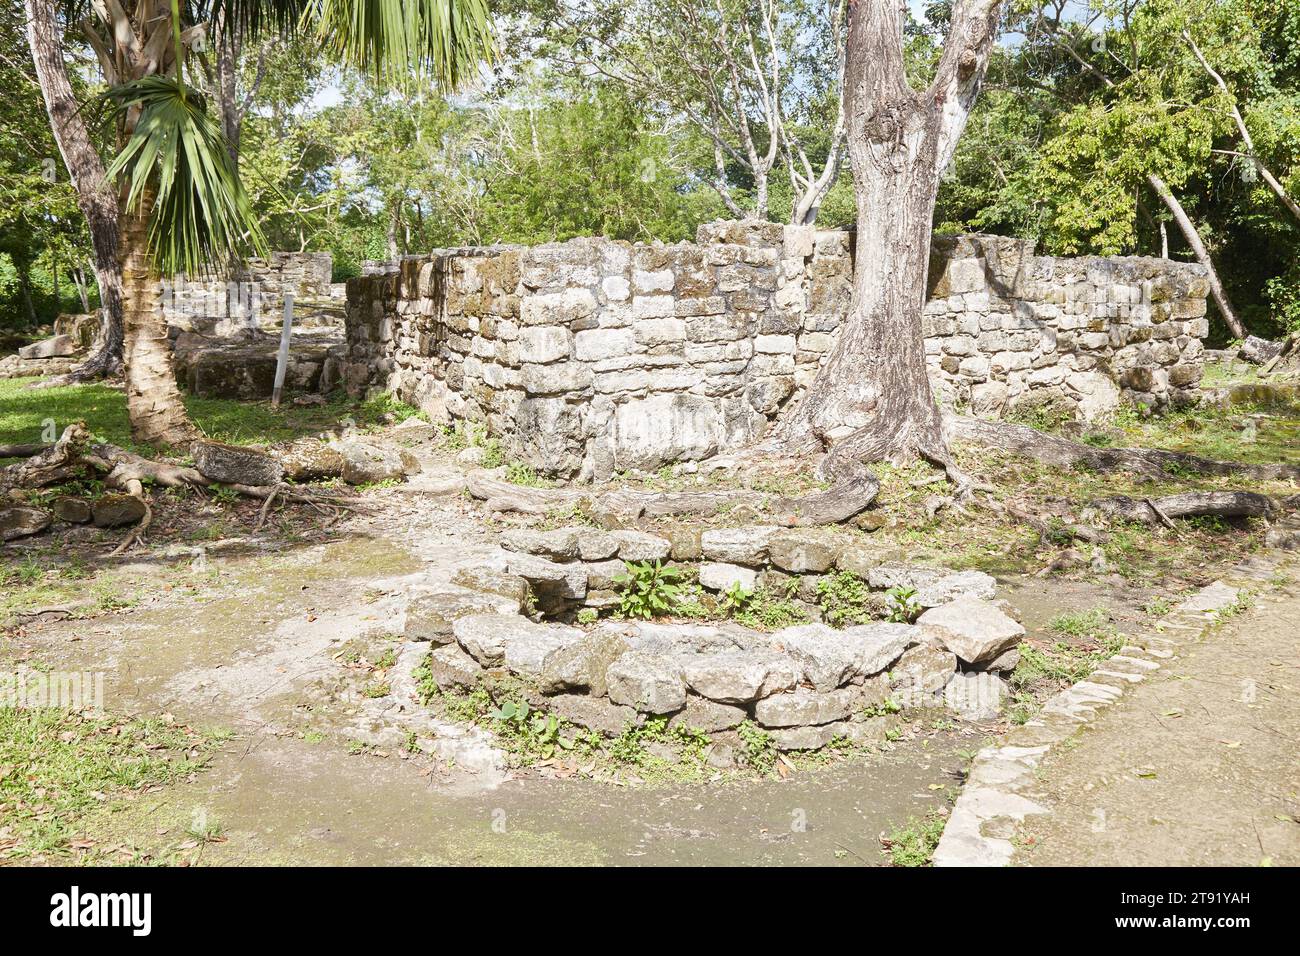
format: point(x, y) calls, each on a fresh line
point(181, 205)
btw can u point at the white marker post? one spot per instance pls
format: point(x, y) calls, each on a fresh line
point(282, 361)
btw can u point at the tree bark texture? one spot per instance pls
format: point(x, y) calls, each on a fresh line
point(153, 399)
point(872, 399)
point(95, 195)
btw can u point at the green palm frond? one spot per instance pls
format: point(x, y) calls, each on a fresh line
point(254, 17)
point(398, 40)
point(201, 217)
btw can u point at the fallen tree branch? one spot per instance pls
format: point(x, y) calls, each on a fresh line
point(22, 451)
point(1053, 450)
point(1223, 504)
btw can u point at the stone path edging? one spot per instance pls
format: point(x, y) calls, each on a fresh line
point(995, 798)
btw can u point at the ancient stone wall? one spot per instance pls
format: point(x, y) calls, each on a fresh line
point(591, 357)
point(1005, 327)
point(255, 295)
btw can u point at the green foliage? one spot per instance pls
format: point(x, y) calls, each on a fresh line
point(1080, 623)
point(914, 843)
point(648, 589)
point(902, 604)
point(630, 746)
point(466, 434)
point(43, 236)
point(442, 41)
point(757, 748)
point(518, 473)
point(531, 733)
point(200, 214)
point(767, 609)
point(735, 600)
point(585, 162)
point(845, 599)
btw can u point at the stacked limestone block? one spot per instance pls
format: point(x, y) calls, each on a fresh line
point(805, 685)
point(255, 294)
point(1004, 327)
point(592, 357)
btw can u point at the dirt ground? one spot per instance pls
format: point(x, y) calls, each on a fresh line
point(245, 643)
point(1200, 766)
point(220, 627)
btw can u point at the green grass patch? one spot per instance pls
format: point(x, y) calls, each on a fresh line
point(25, 413)
point(914, 843)
point(57, 769)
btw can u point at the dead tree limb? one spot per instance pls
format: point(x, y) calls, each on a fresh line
point(22, 451)
point(51, 464)
point(1223, 504)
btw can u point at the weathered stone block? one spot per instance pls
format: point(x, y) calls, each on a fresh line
point(647, 683)
point(973, 629)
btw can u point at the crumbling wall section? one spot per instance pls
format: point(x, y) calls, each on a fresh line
point(591, 357)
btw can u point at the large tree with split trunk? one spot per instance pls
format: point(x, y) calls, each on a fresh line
point(872, 398)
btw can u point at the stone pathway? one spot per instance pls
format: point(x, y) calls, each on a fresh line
point(1199, 765)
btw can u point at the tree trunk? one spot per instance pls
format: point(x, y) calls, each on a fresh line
point(872, 398)
point(874, 389)
point(760, 194)
point(1202, 254)
point(153, 400)
point(25, 291)
point(95, 195)
point(227, 50)
point(79, 279)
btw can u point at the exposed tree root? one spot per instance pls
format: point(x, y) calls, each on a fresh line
point(1224, 504)
point(134, 488)
point(853, 488)
point(105, 362)
point(1052, 450)
point(72, 457)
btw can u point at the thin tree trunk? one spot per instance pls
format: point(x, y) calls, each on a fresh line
point(79, 278)
point(1202, 254)
point(95, 195)
point(25, 290)
point(153, 400)
point(227, 51)
point(760, 194)
point(872, 398)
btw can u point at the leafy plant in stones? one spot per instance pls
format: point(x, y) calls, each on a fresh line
point(735, 599)
point(648, 589)
point(531, 733)
point(757, 747)
point(845, 599)
point(901, 605)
